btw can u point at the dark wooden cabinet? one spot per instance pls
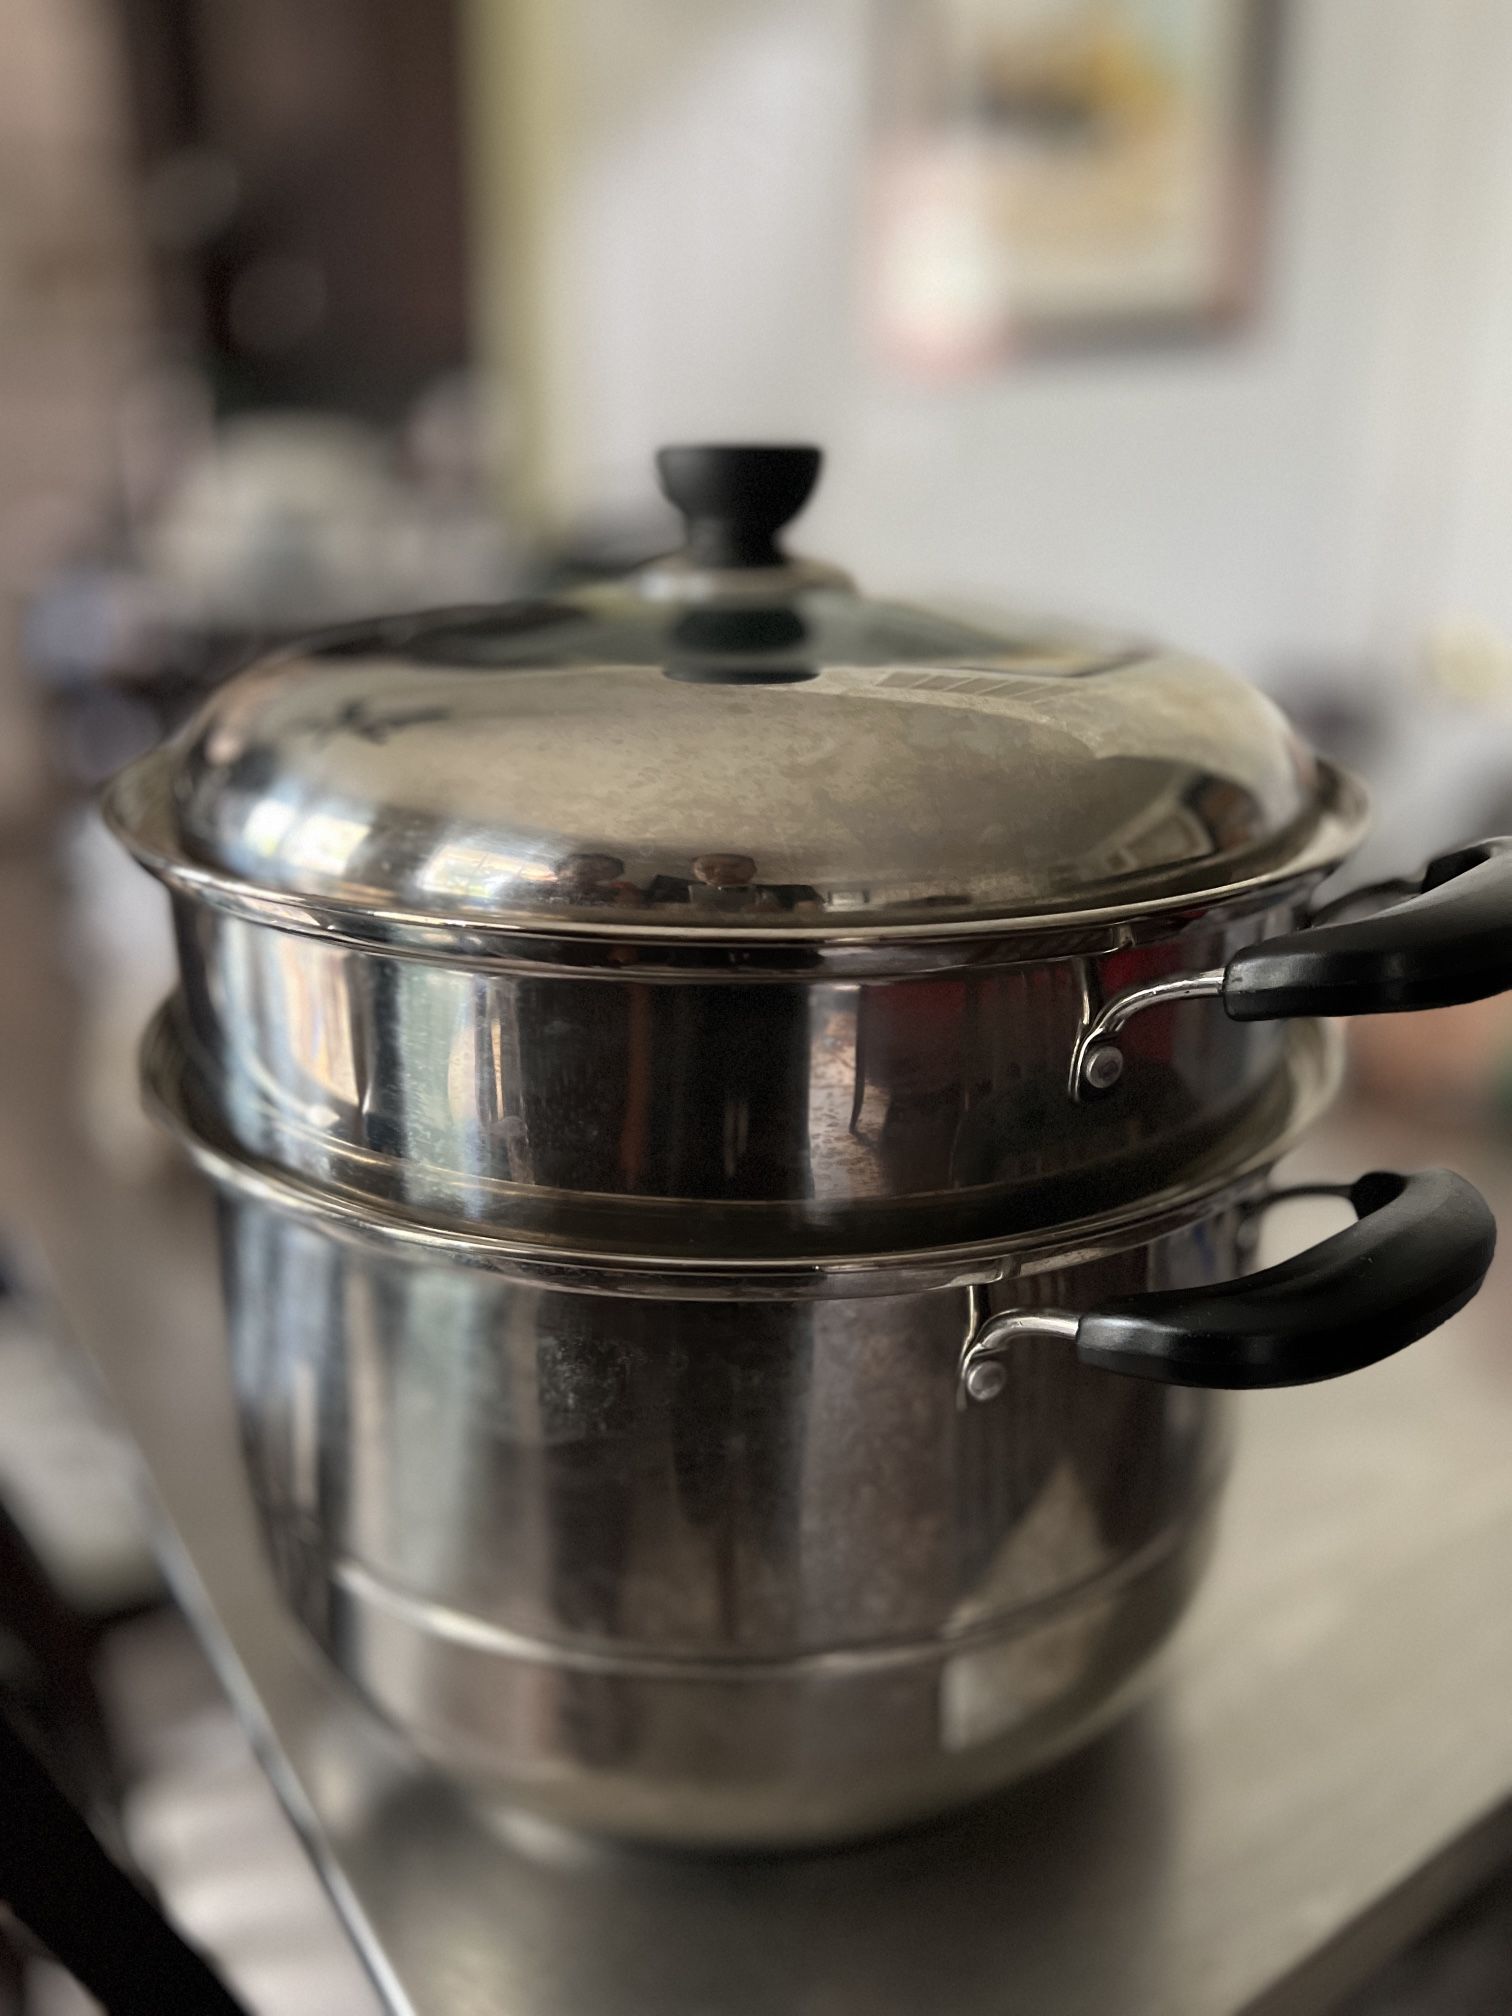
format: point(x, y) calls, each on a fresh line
point(303, 181)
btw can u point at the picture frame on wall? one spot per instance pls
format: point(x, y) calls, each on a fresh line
point(1057, 176)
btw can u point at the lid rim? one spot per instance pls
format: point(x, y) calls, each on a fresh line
point(134, 807)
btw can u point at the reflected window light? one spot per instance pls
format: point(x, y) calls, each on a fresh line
point(314, 1004)
point(322, 843)
point(465, 869)
point(268, 826)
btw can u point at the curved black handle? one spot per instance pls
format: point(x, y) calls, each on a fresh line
point(1450, 943)
point(1419, 1253)
point(736, 498)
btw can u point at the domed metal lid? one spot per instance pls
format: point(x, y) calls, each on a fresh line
point(730, 743)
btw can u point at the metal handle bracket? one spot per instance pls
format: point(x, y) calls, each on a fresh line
point(1097, 1062)
point(1418, 1251)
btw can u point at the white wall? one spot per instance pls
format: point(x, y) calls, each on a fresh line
point(1244, 496)
point(1294, 495)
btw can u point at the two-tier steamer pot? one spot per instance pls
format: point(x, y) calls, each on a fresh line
point(739, 1112)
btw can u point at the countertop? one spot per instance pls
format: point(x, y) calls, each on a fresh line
point(1324, 1764)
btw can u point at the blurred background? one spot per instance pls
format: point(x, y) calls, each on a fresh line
point(1195, 315)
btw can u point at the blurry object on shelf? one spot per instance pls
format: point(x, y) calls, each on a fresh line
point(1058, 173)
point(50, 1719)
point(1443, 757)
point(205, 1827)
point(1341, 709)
point(600, 545)
point(72, 1559)
point(1452, 1065)
point(232, 539)
point(68, 1479)
point(274, 524)
point(297, 520)
point(1469, 659)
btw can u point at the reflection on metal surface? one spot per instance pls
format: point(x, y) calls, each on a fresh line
point(798, 1116)
point(983, 1375)
point(1302, 1091)
point(698, 1569)
point(805, 1094)
point(862, 793)
point(1096, 1062)
point(679, 939)
point(512, 1913)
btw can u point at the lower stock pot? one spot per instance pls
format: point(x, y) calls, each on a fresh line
point(767, 1554)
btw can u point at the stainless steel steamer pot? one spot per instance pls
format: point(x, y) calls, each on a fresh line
point(785, 1554)
point(739, 1113)
point(850, 924)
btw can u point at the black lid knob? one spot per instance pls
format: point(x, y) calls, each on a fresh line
point(736, 499)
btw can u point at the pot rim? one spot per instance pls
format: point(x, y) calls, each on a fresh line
point(137, 808)
point(1313, 1068)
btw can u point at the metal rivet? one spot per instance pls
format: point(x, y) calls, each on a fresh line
point(1102, 1067)
point(986, 1380)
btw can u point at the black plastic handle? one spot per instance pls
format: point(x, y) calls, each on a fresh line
point(736, 497)
point(1419, 1253)
point(1450, 943)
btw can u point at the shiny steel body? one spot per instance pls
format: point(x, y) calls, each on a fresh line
point(720, 1561)
point(1097, 1063)
point(796, 1115)
point(784, 905)
point(633, 1035)
point(744, 1573)
point(804, 1094)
